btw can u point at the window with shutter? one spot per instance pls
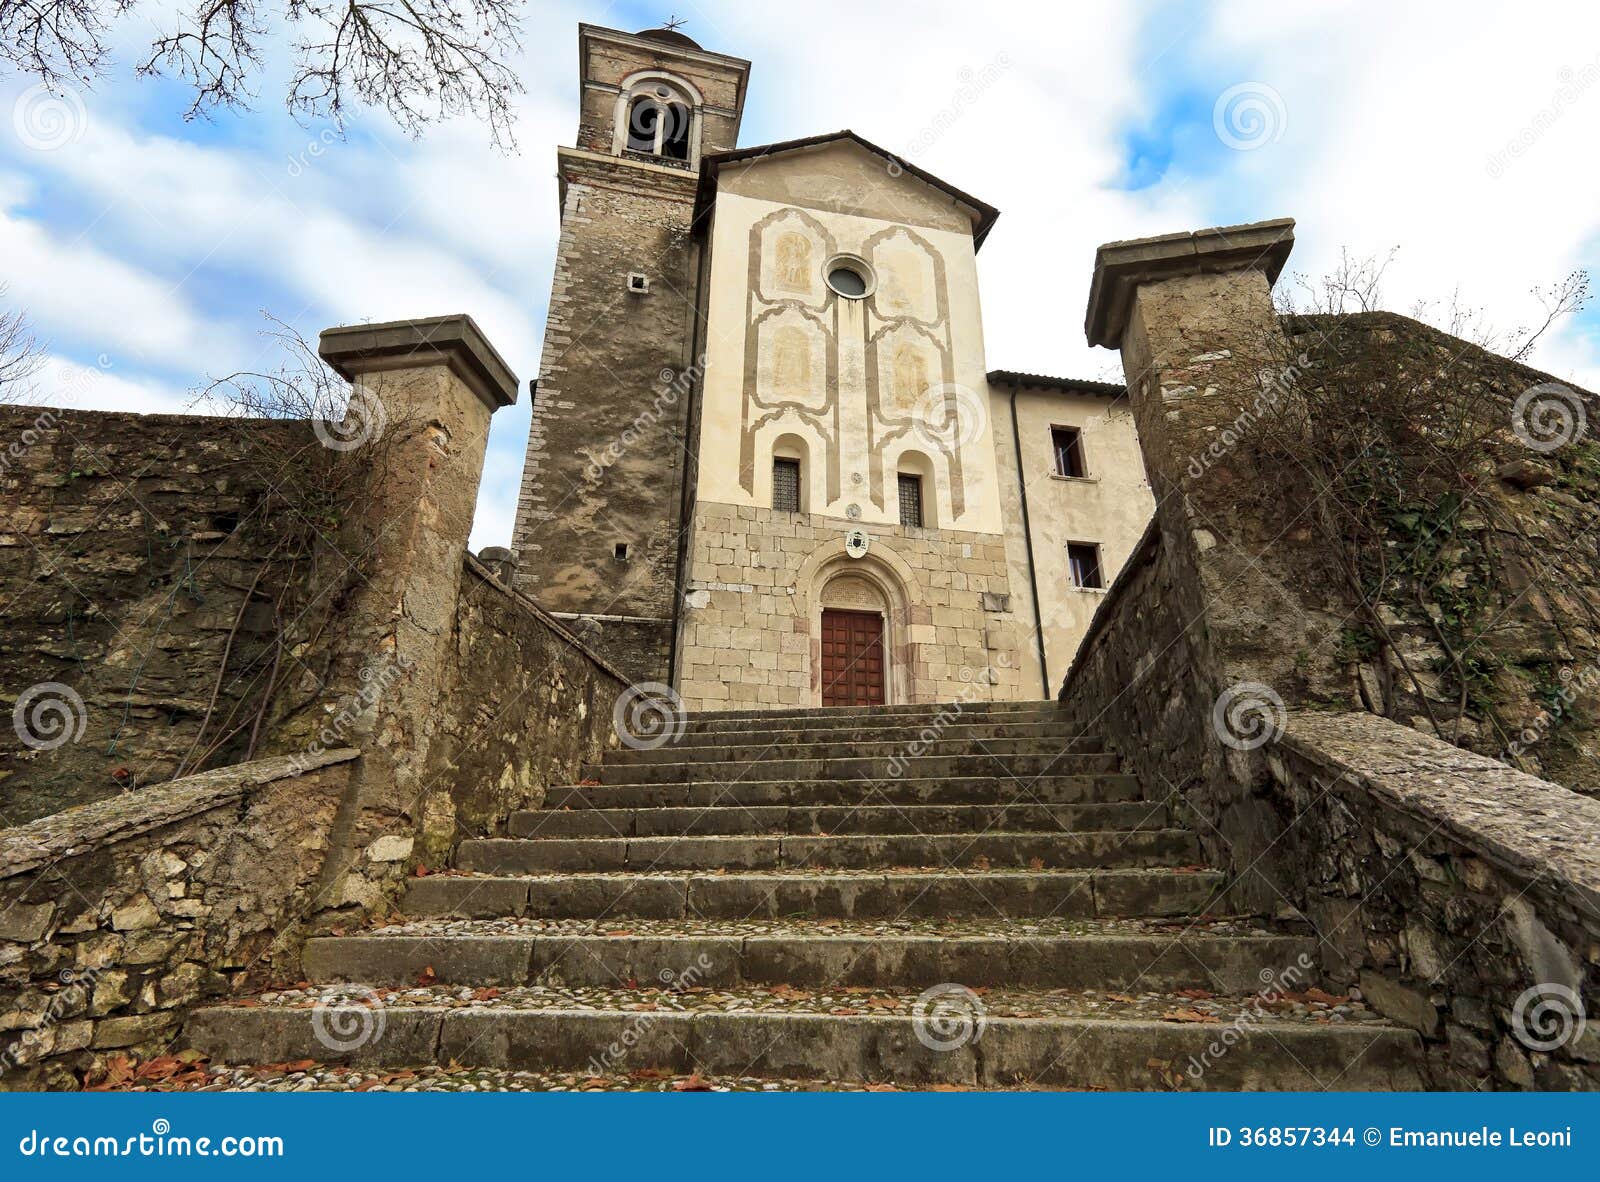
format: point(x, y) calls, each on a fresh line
point(1067, 443)
point(1083, 564)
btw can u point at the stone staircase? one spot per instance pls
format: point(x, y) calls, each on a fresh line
point(917, 895)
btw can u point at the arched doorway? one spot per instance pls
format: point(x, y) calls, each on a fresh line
point(853, 662)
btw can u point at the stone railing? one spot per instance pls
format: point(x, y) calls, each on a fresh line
point(526, 706)
point(1461, 896)
point(117, 916)
point(1458, 894)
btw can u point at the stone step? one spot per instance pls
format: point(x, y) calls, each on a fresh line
point(1223, 957)
point(849, 731)
point(993, 791)
point(821, 894)
point(871, 715)
point(890, 750)
point(1021, 767)
point(1105, 848)
point(999, 1038)
point(830, 819)
point(435, 1077)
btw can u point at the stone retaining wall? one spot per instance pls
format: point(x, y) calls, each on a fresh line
point(1460, 896)
point(132, 547)
point(525, 707)
point(117, 916)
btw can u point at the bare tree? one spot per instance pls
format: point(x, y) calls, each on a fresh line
point(20, 354)
point(420, 60)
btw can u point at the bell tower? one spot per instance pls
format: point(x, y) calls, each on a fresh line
point(601, 509)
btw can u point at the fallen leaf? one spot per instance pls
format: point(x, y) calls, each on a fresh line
point(1188, 1016)
point(1327, 999)
point(427, 976)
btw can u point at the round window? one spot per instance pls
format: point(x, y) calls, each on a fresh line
point(850, 277)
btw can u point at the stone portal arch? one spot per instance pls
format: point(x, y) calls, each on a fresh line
point(880, 581)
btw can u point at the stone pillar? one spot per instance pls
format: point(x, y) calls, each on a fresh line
point(1203, 354)
point(422, 395)
point(1204, 359)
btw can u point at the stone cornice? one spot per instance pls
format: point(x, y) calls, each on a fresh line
point(454, 341)
point(1121, 267)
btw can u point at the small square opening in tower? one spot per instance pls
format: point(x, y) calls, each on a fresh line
point(620, 552)
point(638, 283)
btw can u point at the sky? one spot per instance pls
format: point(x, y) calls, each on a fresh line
point(145, 249)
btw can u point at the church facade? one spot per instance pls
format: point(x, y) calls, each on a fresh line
point(769, 464)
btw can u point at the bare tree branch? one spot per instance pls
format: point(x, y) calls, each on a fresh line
point(20, 353)
point(419, 60)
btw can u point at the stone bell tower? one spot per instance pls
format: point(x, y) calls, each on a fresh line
point(602, 499)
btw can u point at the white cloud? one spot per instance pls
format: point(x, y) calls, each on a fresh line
point(74, 291)
point(1394, 116)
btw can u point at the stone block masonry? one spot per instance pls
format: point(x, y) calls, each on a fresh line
point(138, 555)
point(118, 916)
point(758, 580)
point(605, 461)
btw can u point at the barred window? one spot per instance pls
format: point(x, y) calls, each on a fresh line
point(910, 499)
point(786, 486)
point(1083, 563)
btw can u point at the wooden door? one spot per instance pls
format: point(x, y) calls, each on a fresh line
point(852, 658)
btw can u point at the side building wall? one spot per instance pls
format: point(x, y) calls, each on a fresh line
point(1109, 508)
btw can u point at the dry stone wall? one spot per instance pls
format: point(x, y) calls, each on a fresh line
point(137, 552)
point(117, 916)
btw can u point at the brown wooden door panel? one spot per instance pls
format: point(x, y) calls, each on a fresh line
point(853, 672)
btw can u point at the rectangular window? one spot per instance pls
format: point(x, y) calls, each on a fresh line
point(1067, 442)
point(786, 486)
point(1083, 564)
point(910, 499)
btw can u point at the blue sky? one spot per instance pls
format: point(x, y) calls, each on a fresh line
point(145, 248)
